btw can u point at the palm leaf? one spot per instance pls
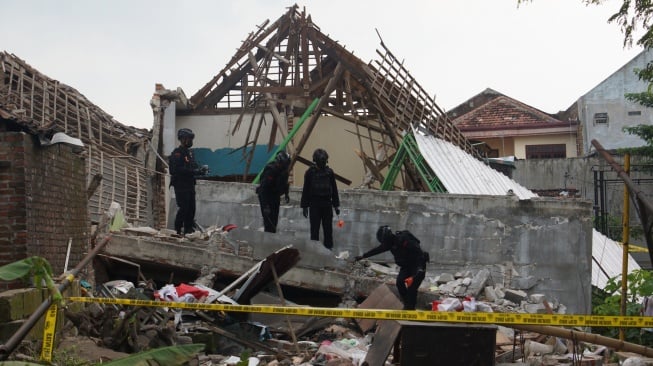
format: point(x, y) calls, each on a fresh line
point(169, 356)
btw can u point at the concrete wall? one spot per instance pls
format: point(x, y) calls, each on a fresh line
point(214, 145)
point(543, 245)
point(569, 140)
point(608, 97)
point(578, 173)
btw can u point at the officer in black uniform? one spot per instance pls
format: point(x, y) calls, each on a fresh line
point(319, 197)
point(410, 258)
point(183, 170)
point(274, 183)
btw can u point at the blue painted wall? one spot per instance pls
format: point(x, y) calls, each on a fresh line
point(229, 161)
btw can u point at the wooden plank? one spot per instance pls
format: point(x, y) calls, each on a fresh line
point(384, 341)
point(381, 298)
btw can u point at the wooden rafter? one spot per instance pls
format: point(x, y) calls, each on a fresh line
point(283, 67)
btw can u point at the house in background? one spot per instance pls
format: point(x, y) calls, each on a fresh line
point(604, 111)
point(503, 126)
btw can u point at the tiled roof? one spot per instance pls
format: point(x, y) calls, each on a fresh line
point(503, 112)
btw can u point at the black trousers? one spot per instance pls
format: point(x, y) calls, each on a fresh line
point(185, 218)
point(321, 215)
point(270, 211)
point(409, 294)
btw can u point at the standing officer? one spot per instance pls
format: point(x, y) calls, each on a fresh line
point(183, 170)
point(319, 197)
point(274, 183)
point(410, 258)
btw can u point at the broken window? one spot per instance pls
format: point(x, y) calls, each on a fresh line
point(550, 151)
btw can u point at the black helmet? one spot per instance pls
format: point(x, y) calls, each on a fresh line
point(320, 157)
point(282, 158)
point(383, 233)
point(185, 132)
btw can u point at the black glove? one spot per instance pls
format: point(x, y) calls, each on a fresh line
point(337, 210)
point(287, 199)
point(305, 212)
point(358, 257)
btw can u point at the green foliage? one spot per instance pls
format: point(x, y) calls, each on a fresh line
point(615, 228)
point(608, 302)
point(645, 132)
point(173, 355)
point(244, 358)
point(631, 17)
point(38, 269)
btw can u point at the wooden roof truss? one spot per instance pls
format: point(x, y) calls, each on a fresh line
point(282, 67)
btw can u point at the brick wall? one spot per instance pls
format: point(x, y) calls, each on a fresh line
point(13, 218)
point(47, 205)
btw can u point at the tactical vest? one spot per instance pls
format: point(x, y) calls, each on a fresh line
point(321, 183)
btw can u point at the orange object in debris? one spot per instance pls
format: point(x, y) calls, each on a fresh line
point(408, 281)
point(341, 223)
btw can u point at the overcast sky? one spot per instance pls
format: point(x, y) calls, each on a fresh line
point(545, 54)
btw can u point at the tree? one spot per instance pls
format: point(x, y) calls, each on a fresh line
point(632, 16)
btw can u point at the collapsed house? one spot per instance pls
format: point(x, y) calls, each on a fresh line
point(64, 160)
point(249, 110)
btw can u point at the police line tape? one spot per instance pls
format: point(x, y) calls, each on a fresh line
point(48, 333)
point(411, 315)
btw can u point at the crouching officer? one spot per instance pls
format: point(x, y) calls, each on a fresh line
point(410, 258)
point(274, 183)
point(183, 170)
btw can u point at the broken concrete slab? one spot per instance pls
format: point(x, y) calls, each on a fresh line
point(218, 254)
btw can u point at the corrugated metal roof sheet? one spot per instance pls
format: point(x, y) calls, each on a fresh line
point(607, 257)
point(461, 173)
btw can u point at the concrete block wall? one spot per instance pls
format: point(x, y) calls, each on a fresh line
point(43, 201)
point(578, 174)
point(17, 305)
point(545, 240)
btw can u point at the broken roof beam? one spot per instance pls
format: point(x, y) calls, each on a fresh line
point(335, 79)
point(251, 41)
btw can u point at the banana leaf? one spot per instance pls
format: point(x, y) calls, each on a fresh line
point(168, 356)
point(37, 267)
point(15, 270)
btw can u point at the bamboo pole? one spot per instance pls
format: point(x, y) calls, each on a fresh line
point(615, 344)
point(13, 342)
point(625, 234)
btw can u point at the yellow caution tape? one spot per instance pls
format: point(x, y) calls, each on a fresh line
point(412, 315)
point(637, 249)
point(48, 333)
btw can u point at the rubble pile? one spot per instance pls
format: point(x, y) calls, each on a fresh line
point(259, 339)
